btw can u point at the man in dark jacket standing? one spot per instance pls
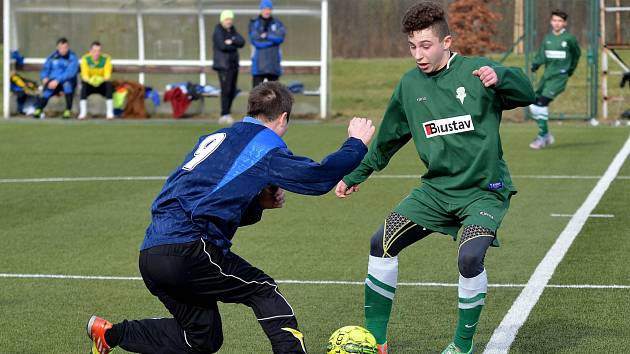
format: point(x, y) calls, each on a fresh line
point(227, 42)
point(266, 34)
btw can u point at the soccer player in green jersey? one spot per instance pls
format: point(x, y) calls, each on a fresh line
point(450, 106)
point(559, 53)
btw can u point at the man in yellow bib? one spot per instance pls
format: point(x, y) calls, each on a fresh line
point(96, 73)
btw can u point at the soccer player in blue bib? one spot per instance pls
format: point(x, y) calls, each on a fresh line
point(185, 260)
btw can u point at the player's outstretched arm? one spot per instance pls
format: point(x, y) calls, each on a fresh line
point(392, 135)
point(302, 175)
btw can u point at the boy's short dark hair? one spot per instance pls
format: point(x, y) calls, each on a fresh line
point(563, 15)
point(62, 40)
point(426, 14)
point(95, 43)
point(269, 100)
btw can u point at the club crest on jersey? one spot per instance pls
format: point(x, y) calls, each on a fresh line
point(447, 126)
point(461, 94)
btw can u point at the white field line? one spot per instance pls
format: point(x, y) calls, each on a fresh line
point(162, 178)
point(82, 179)
point(590, 216)
point(504, 335)
point(313, 282)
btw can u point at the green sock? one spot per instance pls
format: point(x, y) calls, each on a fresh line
point(472, 297)
point(380, 287)
point(543, 128)
point(377, 311)
point(466, 327)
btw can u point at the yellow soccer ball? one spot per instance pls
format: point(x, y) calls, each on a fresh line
point(351, 340)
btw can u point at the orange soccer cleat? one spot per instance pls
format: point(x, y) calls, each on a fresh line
point(96, 328)
point(382, 348)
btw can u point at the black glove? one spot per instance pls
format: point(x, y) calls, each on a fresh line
point(626, 78)
point(535, 67)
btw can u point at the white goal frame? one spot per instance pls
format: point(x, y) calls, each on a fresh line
point(323, 62)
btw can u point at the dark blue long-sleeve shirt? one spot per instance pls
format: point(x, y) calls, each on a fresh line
point(215, 190)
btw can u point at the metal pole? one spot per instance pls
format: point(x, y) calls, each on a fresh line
point(6, 64)
point(594, 49)
point(202, 42)
point(323, 69)
point(618, 23)
point(602, 17)
point(140, 26)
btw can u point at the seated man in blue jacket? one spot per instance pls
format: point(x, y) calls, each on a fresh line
point(224, 183)
point(59, 74)
point(266, 34)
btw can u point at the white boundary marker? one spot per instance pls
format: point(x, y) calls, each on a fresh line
point(162, 178)
point(312, 282)
point(590, 216)
point(504, 335)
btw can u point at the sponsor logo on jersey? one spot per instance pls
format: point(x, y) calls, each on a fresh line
point(461, 94)
point(447, 126)
point(483, 213)
point(563, 44)
point(495, 186)
point(422, 99)
point(556, 54)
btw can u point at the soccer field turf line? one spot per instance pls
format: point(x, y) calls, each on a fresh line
point(504, 335)
point(590, 216)
point(313, 282)
point(162, 178)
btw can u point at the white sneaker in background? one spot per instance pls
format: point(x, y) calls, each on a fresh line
point(226, 119)
point(549, 139)
point(538, 143)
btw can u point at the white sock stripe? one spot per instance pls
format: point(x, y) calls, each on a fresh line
point(471, 287)
point(275, 287)
point(384, 269)
point(378, 289)
point(463, 306)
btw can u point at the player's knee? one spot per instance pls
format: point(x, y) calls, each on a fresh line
point(543, 101)
point(475, 241)
point(205, 345)
point(376, 243)
point(470, 264)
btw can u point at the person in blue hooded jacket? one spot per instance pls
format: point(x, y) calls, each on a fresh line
point(59, 74)
point(266, 34)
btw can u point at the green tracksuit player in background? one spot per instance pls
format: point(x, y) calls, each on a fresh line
point(450, 106)
point(559, 53)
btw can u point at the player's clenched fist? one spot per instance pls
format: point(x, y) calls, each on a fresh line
point(361, 128)
point(271, 197)
point(487, 75)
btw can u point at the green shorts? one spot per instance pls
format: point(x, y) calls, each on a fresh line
point(429, 209)
point(553, 86)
